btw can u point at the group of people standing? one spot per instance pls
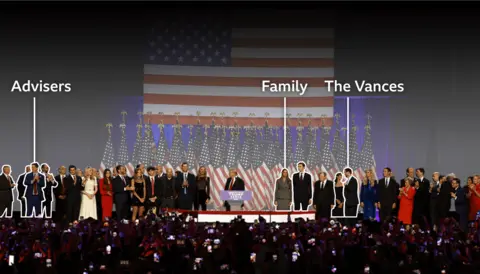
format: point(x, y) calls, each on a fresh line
point(414, 200)
point(339, 199)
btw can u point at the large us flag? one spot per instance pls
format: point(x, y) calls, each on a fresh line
point(195, 68)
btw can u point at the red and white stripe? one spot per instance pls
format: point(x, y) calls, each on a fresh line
point(279, 55)
point(246, 176)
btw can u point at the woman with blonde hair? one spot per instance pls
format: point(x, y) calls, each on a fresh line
point(368, 196)
point(139, 193)
point(88, 208)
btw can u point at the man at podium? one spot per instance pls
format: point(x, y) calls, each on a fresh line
point(234, 183)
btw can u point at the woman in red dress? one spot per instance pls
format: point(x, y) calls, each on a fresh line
point(106, 192)
point(406, 196)
point(474, 196)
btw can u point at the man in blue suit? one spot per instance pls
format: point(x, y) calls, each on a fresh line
point(34, 183)
point(458, 205)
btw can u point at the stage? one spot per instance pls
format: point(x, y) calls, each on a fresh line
point(251, 216)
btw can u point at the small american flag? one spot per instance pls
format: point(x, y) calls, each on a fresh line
point(355, 156)
point(368, 159)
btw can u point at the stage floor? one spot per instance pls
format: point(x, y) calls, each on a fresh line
point(251, 216)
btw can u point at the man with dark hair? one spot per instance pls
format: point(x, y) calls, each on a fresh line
point(73, 185)
point(421, 208)
point(458, 204)
point(351, 198)
point(387, 194)
point(409, 173)
point(302, 188)
point(154, 190)
point(186, 188)
point(34, 184)
point(121, 190)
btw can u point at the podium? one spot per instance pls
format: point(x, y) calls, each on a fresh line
point(236, 198)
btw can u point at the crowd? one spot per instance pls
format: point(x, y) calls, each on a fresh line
point(171, 243)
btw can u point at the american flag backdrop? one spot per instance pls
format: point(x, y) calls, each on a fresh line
point(197, 69)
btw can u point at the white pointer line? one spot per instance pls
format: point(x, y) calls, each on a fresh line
point(34, 129)
point(348, 131)
point(284, 132)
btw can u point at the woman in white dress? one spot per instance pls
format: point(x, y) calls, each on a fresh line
point(88, 209)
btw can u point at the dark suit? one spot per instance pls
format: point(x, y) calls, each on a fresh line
point(60, 204)
point(421, 208)
point(387, 196)
point(156, 191)
point(74, 196)
point(351, 201)
point(461, 207)
point(443, 200)
point(21, 193)
point(34, 193)
point(6, 196)
point(168, 192)
point(121, 196)
point(186, 195)
point(302, 190)
point(323, 198)
point(434, 197)
point(238, 185)
point(47, 203)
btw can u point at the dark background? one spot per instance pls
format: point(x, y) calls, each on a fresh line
point(99, 48)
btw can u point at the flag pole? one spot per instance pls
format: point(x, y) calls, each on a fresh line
point(348, 131)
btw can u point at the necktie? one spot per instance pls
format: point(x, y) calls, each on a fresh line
point(8, 178)
point(124, 182)
point(185, 188)
point(153, 184)
point(387, 182)
point(301, 177)
point(231, 185)
point(63, 186)
point(74, 180)
point(323, 185)
point(35, 190)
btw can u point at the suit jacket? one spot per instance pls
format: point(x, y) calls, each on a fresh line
point(238, 185)
point(157, 187)
point(443, 200)
point(21, 186)
point(422, 198)
point(73, 189)
point(387, 195)
point(121, 195)
point(302, 190)
point(323, 197)
point(163, 186)
point(49, 187)
point(29, 186)
point(192, 185)
point(60, 188)
point(460, 202)
point(352, 192)
point(5, 189)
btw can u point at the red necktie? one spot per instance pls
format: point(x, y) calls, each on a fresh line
point(231, 185)
point(153, 185)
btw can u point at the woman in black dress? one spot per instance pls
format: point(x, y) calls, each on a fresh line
point(139, 193)
point(203, 189)
point(338, 210)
